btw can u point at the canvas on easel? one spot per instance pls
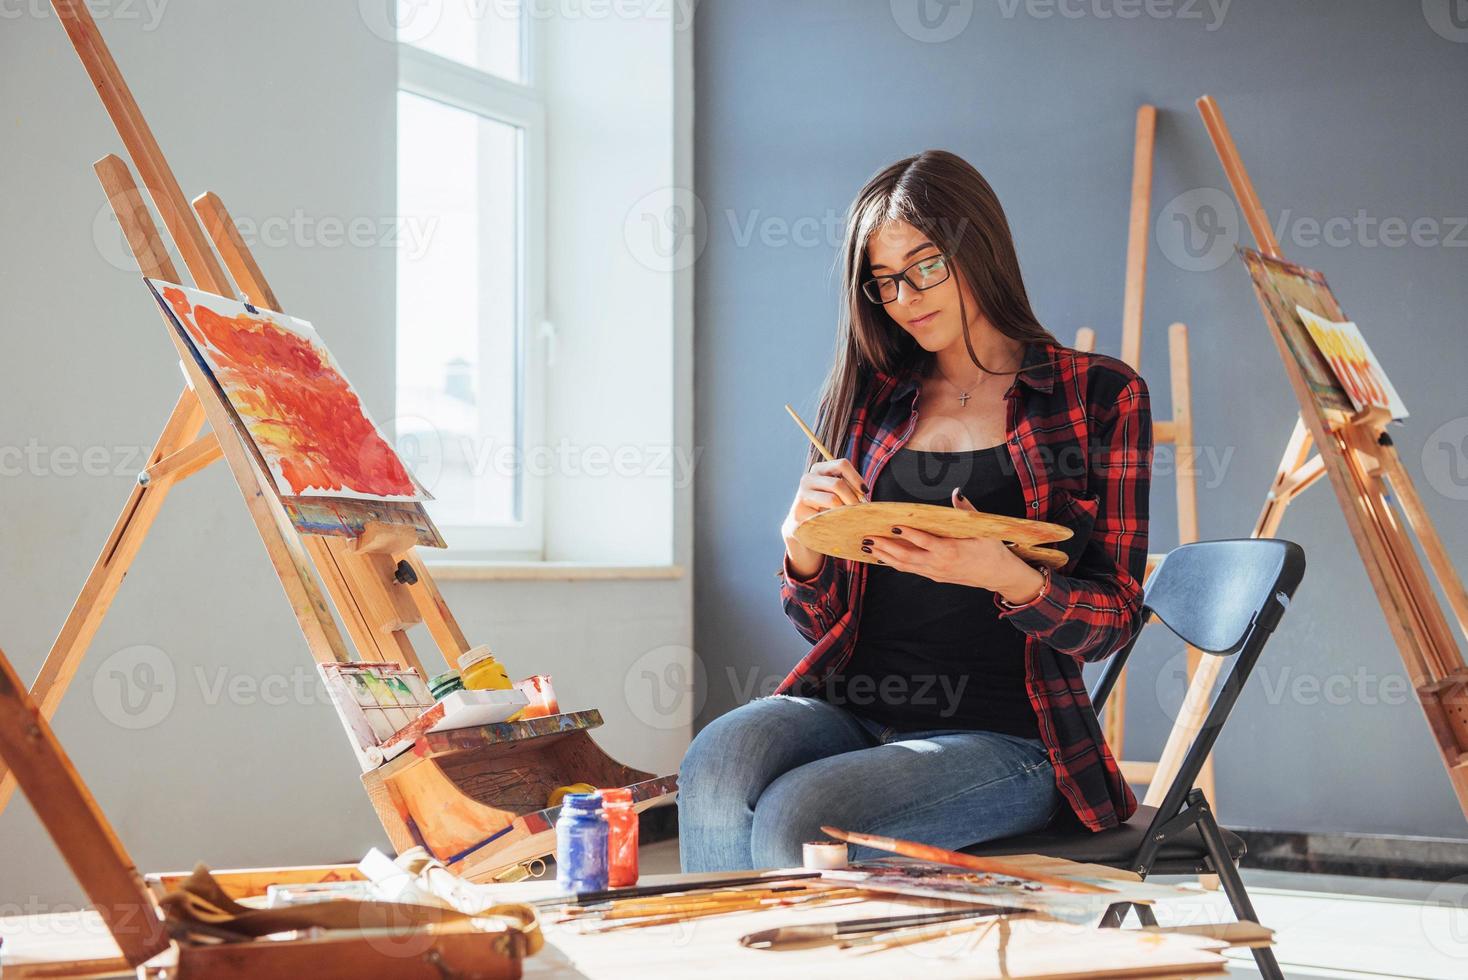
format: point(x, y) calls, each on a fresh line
point(1342, 373)
point(1282, 287)
point(1354, 364)
point(479, 799)
point(303, 420)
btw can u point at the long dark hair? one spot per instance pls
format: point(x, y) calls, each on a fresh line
point(943, 196)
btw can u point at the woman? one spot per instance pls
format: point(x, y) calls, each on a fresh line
point(942, 699)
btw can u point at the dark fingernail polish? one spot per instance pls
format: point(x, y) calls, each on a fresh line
point(880, 562)
point(866, 540)
point(866, 549)
point(865, 488)
point(897, 530)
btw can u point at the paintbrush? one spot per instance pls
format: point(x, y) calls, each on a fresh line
point(824, 933)
point(711, 884)
point(918, 934)
point(654, 906)
point(927, 852)
point(708, 896)
point(726, 908)
point(815, 440)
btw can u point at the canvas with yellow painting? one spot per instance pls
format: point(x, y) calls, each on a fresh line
point(1355, 366)
point(306, 424)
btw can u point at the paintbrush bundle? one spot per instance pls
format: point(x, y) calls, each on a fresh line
point(668, 906)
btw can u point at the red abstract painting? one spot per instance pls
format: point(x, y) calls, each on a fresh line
point(307, 422)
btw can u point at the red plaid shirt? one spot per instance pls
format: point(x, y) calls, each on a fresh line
point(1080, 437)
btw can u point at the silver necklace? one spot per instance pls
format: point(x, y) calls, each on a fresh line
point(963, 395)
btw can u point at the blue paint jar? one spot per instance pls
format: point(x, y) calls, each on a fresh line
point(581, 843)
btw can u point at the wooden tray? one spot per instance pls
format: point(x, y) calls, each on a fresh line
point(839, 532)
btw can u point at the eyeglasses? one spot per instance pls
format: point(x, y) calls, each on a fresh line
point(922, 274)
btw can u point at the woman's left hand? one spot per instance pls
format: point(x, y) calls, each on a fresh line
point(983, 563)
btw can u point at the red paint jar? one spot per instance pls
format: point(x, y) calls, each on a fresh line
point(621, 837)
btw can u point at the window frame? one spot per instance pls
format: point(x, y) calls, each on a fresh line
point(523, 105)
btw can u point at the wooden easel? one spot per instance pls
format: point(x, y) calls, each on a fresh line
point(1356, 453)
point(476, 804)
point(131, 914)
point(1177, 432)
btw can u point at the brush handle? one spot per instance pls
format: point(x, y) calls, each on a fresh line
point(815, 440)
point(927, 852)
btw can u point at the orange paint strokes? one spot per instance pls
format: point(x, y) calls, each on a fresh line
point(300, 410)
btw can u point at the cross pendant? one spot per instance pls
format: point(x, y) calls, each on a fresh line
point(962, 399)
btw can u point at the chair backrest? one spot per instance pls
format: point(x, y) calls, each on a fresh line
point(1225, 598)
point(1212, 593)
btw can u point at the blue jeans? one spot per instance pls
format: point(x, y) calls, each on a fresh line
point(761, 780)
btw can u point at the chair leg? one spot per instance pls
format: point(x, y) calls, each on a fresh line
point(1116, 915)
point(1233, 887)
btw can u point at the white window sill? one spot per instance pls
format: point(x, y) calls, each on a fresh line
point(566, 571)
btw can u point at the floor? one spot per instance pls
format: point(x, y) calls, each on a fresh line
point(1325, 926)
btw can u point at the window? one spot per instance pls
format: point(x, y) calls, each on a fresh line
point(538, 183)
point(483, 34)
point(470, 270)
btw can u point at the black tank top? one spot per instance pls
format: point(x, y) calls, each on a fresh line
point(932, 655)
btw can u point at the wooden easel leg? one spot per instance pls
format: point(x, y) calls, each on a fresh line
point(95, 598)
point(1185, 455)
point(1200, 689)
point(74, 821)
point(437, 615)
point(1139, 238)
point(1432, 545)
point(1133, 299)
point(1282, 490)
point(143, 502)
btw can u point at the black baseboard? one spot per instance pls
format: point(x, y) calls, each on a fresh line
point(1359, 855)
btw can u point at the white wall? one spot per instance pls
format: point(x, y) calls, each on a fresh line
point(287, 111)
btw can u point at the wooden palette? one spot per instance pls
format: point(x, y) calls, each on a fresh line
point(839, 532)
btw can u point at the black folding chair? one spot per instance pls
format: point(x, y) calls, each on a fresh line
point(1225, 598)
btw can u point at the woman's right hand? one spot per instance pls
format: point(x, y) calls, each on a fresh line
point(827, 484)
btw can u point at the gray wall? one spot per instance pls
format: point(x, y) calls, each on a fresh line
point(1338, 108)
point(287, 110)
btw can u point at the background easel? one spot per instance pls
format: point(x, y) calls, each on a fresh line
point(479, 802)
point(1177, 432)
point(1356, 453)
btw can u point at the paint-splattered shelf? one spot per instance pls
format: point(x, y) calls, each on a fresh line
point(476, 797)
